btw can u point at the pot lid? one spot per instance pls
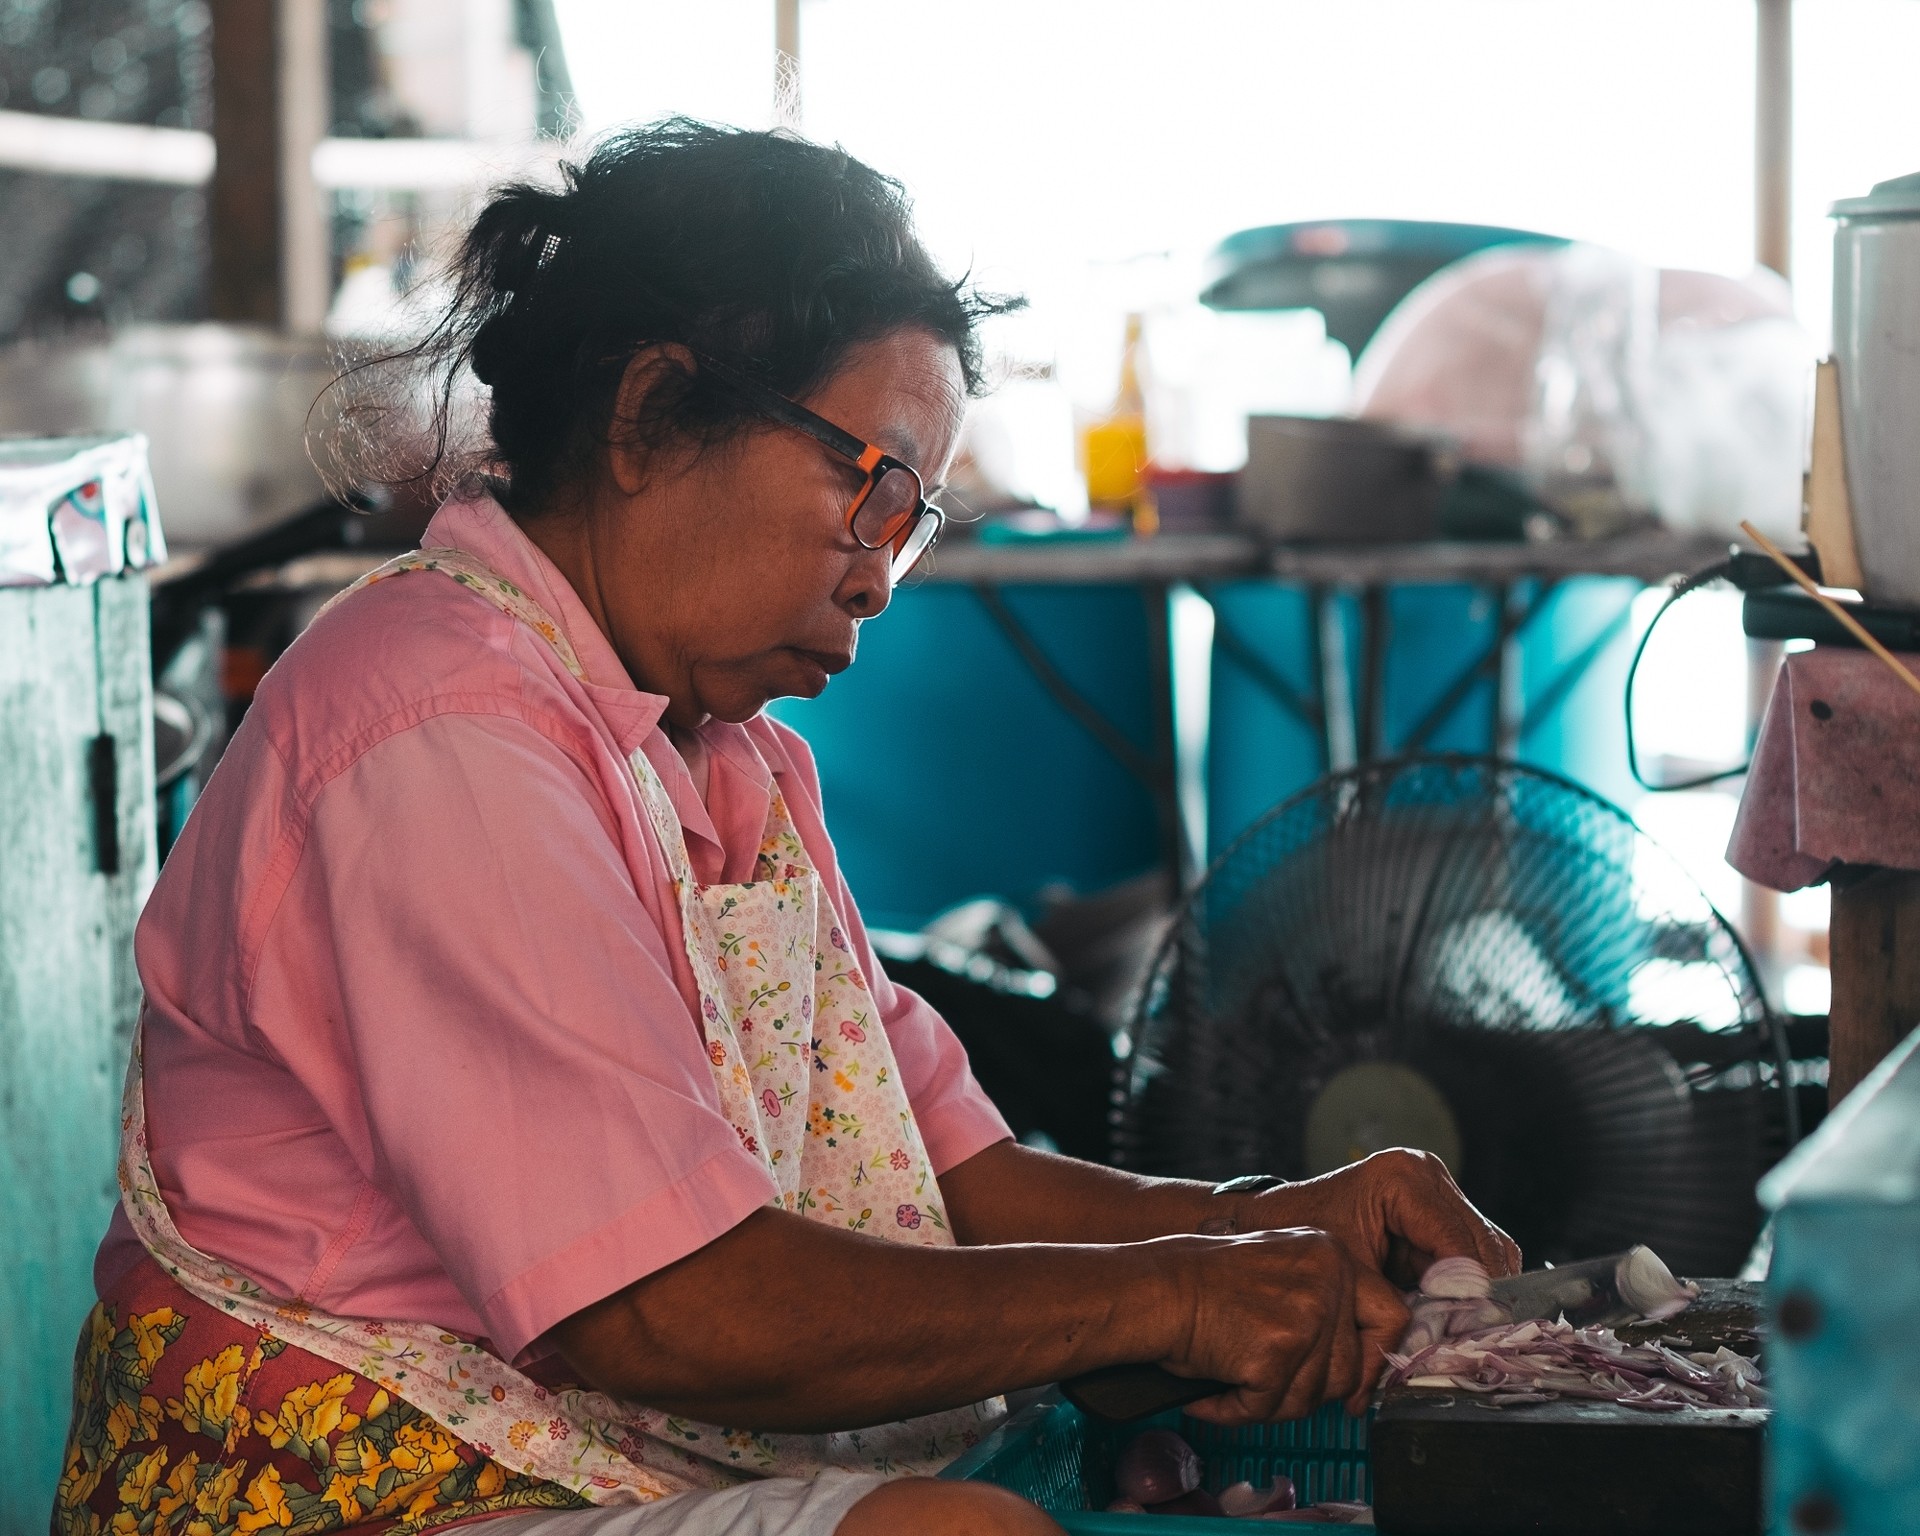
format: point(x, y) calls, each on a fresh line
point(1899, 198)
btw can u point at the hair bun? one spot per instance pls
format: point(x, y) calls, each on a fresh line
point(488, 351)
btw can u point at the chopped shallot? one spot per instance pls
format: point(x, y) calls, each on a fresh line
point(1243, 1499)
point(1464, 1342)
point(1534, 1362)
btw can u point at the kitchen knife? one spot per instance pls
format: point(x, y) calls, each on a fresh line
point(1619, 1288)
point(1117, 1393)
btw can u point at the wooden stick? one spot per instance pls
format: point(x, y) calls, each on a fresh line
point(1853, 625)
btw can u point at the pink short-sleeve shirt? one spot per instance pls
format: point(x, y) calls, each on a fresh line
point(420, 1039)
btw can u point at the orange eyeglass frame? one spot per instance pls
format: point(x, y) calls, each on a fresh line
point(902, 532)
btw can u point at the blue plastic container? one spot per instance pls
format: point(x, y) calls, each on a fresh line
point(1260, 753)
point(1055, 1455)
point(949, 773)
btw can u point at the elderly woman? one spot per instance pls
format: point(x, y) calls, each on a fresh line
point(517, 1097)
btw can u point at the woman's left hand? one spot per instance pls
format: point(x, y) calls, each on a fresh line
point(1395, 1212)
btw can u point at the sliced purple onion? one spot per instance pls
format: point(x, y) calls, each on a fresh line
point(1243, 1499)
point(1517, 1363)
point(1155, 1467)
point(1456, 1279)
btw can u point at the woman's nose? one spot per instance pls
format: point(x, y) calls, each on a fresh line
point(868, 587)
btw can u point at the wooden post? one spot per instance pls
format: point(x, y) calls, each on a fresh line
point(305, 112)
point(268, 220)
point(1773, 135)
point(786, 64)
point(243, 215)
point(1875, 954)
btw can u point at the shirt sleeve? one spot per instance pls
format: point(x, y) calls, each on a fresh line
point(954, 1114)
point(525, 1080)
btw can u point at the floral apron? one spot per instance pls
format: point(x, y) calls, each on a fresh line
point(418, 1425)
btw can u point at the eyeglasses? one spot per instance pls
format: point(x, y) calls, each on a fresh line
point(891, 510)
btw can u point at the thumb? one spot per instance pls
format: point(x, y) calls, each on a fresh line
point(1436, 1221)
point(1381, 1317)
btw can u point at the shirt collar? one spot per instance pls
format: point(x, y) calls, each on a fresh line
point(750, 753)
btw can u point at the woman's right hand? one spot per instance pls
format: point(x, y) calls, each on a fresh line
point(1285, 1316)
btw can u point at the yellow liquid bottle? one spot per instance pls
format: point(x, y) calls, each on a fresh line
point(1114, 449)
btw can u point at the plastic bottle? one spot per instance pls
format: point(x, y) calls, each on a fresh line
point(1114, 448)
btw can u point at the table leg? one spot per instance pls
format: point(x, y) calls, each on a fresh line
point(1874, 939)
point(1336, 681)
point(1175, 852)
point(1375, 638)
point(1509, 701)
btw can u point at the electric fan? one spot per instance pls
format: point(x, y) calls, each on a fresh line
point(1484, 961)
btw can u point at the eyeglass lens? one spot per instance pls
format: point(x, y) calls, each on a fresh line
point(919, 541)
point(883, 515)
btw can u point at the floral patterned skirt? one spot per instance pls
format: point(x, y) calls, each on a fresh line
point(188, 1421)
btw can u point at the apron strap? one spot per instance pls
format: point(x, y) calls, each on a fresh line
point(473, 574)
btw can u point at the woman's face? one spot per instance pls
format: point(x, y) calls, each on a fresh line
point(728, 578)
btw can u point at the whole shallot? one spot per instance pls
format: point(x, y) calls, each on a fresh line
point(1155, 1467)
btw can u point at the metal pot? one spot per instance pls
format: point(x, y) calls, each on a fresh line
point(226, 410)
point(1340, 480)
point(1876, 342)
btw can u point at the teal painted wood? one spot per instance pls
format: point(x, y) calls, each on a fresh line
point(1844, 1297)
point(73, 665)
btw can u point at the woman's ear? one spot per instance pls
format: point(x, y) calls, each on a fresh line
point(658, 365)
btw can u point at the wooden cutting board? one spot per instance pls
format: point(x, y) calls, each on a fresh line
point(1449, 1464)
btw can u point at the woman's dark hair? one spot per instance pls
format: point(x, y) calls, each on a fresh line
point(772, 254)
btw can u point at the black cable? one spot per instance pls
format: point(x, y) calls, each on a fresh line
point(1719, 571)
point(1742, 569)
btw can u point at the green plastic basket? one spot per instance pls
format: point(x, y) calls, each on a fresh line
point(1056, 1456)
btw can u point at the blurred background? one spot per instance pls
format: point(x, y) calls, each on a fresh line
point(1094, 163)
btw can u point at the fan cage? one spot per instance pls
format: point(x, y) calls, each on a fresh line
point(1596, 1026)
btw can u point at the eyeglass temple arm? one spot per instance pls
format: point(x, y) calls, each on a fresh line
point(783, 410)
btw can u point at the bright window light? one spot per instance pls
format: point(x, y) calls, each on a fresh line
point(1807, 989)
point(1680, 991)
point(1680, 715)
point(1856, 120)
point(1694, 827)
point(1047, 140)
point(636, 60)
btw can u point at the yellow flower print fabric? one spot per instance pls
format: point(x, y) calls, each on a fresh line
point(176, 1433)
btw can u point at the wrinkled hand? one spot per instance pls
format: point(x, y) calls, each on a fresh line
point(1394, 1212)
point(1286, 1316)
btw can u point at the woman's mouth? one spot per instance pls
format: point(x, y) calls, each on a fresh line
point(819, 666)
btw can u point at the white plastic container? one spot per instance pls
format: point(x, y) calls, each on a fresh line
point(1876, 342)
point(74, 509)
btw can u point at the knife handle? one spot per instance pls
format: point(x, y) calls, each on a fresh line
point(1117, 1393)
